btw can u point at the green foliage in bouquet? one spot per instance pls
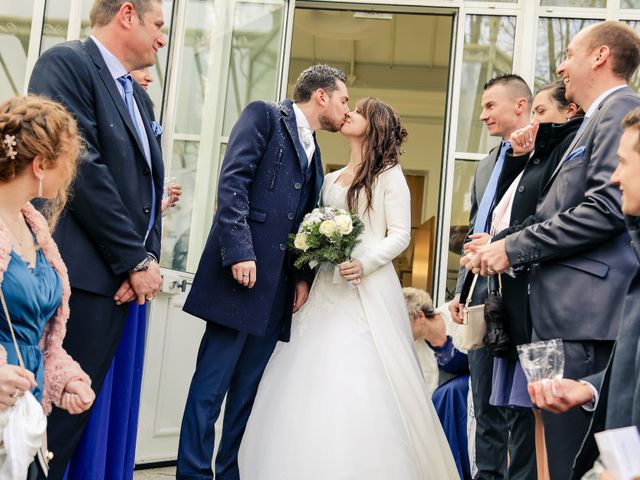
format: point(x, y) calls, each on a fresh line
point(327, 234)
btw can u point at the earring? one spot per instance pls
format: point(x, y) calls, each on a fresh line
point(40, 187)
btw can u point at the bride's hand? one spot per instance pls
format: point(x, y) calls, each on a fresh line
point(351, 271)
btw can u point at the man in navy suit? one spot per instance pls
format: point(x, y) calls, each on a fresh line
point(109, 236)
point(245, 286)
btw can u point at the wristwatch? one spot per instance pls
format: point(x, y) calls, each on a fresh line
point(143, 266)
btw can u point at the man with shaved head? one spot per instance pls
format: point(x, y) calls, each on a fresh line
point(579, 251)
point(505, 438)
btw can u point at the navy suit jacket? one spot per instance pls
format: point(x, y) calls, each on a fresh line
point(101, 233)
point(260, 202)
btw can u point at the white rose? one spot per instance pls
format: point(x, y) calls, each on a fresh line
point(344, 223)
point(300, 242)
point(315, 218)
point(327, 228)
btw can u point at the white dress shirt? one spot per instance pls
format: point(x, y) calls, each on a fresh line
point(305, 133)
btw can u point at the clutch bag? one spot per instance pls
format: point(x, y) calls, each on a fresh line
point(475, 325)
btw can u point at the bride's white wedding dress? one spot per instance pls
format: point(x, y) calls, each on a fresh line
point(345, 398)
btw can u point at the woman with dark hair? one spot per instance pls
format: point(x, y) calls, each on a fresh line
point(345, 398)
point(39, 149)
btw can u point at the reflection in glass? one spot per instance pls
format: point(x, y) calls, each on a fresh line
point(176, 222)
point(635, 80)
point(257, 33)
point(575, 3)
point(463, 174)
point(159, 70)
point(56, 23)
point(488, 51)
point(629, 3)
point(15, 28)
point(196, 57)
point(554, 34)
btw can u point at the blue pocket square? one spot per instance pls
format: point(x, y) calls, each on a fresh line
point(578, 152)
point(157, 129)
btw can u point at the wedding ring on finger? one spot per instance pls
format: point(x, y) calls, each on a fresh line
point(16, 393)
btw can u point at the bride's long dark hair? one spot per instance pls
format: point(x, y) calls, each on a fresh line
point(380, 147)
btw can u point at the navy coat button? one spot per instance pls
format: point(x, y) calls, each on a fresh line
point(146, 171)
point(521, 188)
point(290, 216)
point(282, 247)
point(146, 210)
point(297, 185)
point(536, 161)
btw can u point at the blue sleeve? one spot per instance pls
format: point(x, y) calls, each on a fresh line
point(450, 359)
point(247, 144)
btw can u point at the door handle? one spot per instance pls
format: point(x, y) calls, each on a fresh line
point(175, 286)
point(182, 286)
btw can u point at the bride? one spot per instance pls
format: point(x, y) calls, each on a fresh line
point(345, 399)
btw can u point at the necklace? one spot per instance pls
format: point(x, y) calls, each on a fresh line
point(19, 238)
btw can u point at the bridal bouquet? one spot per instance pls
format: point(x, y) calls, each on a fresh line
point(327, 234)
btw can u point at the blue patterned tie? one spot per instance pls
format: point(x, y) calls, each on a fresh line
point(127, 85)
point(488, 197)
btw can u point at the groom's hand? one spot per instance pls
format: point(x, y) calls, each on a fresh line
point(301, 295)
point(244, 273)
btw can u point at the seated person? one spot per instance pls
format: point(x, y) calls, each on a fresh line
point(450, 398)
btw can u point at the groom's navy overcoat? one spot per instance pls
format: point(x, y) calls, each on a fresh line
point(265, 189)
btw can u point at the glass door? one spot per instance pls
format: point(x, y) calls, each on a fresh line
point(224, 54)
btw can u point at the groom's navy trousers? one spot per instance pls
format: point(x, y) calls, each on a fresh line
point(229, 362)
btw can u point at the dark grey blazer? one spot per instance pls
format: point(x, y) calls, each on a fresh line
point(480, 180)
point(579, 249)
point(619, 384)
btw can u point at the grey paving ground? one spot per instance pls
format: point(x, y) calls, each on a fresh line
point(155, 474)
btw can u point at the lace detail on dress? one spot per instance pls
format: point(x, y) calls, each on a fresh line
point(335, 195)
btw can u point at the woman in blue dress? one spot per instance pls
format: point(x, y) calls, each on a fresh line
point(39, 148)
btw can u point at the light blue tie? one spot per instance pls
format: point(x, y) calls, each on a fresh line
point(127, 85)
point(488, 197)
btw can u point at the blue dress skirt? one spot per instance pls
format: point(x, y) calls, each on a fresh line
point(509, 385)
point(107, 448)
point(33, 296)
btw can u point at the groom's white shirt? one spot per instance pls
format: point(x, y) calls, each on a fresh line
point(304, 131)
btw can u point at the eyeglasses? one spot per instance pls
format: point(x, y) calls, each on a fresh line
point(428, 312)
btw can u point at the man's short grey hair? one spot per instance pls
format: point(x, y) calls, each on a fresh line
point(314, 78)
point(103, 11)
point(417, 299)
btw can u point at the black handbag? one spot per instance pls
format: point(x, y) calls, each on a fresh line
point(496, 339)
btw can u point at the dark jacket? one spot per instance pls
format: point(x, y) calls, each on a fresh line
point(261, 200)
point(619, 384)
point(551, 142)
point(101, 233)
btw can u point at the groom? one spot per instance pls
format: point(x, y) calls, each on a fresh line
point(245, 286)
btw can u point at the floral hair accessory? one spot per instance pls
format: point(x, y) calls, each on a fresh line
point(10, 142)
